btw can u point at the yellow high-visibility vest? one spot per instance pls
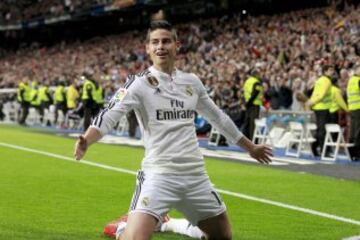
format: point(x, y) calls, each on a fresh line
point(59, 94)
point(248, 89)
point(34, 97)
point(72, 96)
point(353, 93)
point(88, 85)
point(98, 95)
point(321, 95)
point(25, 88)
point(337, 101)
point(43, 94)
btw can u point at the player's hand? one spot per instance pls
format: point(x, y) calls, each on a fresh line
point(261, 153)
point(80, 148)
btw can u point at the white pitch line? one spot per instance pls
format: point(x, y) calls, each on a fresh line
point(226, 192)
point(122, 170)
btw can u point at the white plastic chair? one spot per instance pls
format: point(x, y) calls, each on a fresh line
point(261, 131)
point(334, 144)
point(33, 117)
point(310, 127)
point(49, 115)
point(214, 137)
point(123, 126)
point(299, 140)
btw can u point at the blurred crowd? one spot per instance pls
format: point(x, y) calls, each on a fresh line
point(286, 50)
point(12, 11)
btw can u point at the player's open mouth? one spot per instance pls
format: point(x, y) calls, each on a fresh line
point(161, 54)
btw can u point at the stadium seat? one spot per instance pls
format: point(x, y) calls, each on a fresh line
point(309, 128)
point(74, 121)
point(49, 115)
point(275, 137)
point(334, 144)
point(123, 126)
point(33, 117)
point(214, 137)
point(261, 131)
point(299, 140)
point(11, 111)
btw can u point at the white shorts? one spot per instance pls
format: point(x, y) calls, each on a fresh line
point(192, 195)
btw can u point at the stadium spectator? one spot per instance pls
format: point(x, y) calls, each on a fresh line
point(299, 97)
point(23, 10)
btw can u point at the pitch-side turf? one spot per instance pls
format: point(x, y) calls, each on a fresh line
point(44, 194)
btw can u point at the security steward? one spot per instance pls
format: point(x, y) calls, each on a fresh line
point(337, 102)
point(253, 93)
point(35, 103)
point(45, 99)
point(72, 96)
point(24, 98)
point(60, 100)
point(320, 103)
point(353, 98)
point(89, 99)
point(99, 96)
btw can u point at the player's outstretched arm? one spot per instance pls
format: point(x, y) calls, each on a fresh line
point(260, 152)
point(84, 141)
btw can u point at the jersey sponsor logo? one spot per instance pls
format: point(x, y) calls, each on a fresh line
point(119, 96)
point(153, 81)
point(189, 90)
point(174, 114)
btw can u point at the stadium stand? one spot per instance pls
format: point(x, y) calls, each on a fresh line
point(288, 49)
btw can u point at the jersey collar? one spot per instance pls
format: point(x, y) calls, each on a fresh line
point(163, 75)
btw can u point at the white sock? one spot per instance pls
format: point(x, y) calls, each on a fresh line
point(182, 226)
point(120, 230)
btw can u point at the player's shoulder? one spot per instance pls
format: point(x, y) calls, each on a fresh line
point(136, 79)
point(188, 77)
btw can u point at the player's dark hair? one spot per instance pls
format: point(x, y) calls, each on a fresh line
point(161, 24)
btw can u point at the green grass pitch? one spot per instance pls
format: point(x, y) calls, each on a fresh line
point(44, 197)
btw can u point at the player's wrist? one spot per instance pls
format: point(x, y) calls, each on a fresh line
point(83, 142)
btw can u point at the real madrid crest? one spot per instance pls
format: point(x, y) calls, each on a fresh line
point(153, 81)
point(189, 90)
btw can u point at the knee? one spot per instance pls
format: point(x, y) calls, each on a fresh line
point(221, 236)
point(136, 233)
point(134, 236)
point(226, 236)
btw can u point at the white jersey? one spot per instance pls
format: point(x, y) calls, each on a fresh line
point(165, 108)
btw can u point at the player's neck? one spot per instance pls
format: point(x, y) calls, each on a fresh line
point(168, 68)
